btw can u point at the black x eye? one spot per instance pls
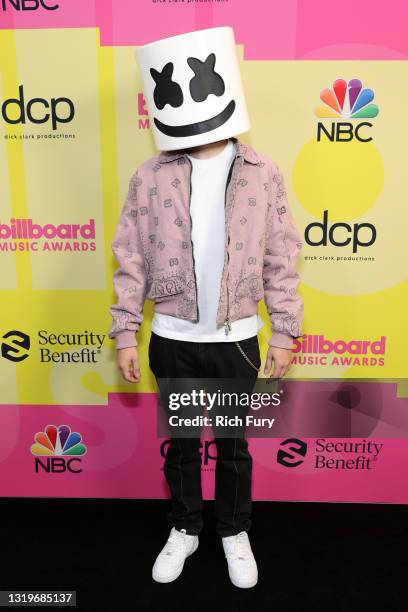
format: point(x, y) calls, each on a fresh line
point(206, 81)
point(166, 91)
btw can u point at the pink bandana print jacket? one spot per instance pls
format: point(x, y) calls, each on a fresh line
point(153, 247)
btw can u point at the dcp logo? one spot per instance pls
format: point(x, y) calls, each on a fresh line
point(37, 110)
point(340, 234)
point(208, 450)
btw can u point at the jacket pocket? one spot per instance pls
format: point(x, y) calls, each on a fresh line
point(164, 286)
point(250, 286)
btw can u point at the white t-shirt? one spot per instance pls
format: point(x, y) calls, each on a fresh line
point(207, 209)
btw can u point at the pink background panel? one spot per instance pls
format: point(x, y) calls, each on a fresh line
point(123, 459)
point(269, 29)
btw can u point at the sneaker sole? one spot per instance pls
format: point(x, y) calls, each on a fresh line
point(166, 579)
point(243, 585)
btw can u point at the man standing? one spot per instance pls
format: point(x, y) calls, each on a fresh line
point(206, 232)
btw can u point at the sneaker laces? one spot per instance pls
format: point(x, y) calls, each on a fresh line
point(174, 541)
point(242, 546)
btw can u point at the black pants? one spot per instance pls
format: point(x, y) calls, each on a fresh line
point(171, 359)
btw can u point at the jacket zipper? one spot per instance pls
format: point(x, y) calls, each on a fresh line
point(227, 323)
point(191, 242)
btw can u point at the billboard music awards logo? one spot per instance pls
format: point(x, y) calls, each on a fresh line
point(346, 100)
point(58, 450)
point(316, 349)
point(143, 121)
point(335, 454)
point(22, 235)
point(53, 347)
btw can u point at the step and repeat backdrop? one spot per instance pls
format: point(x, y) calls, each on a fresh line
point(327, 101)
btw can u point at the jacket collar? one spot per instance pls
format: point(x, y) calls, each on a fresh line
point(246, 151)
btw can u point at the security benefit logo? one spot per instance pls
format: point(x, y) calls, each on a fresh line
point(292, 452)
point(58, 450)
point(52, 346)
point(330, 454)
point(15, 345)
point(346, 101)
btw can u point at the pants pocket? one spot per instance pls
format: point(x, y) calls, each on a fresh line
point(153, 350)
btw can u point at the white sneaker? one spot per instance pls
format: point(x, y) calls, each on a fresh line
point(242, 567)
point(170, 561)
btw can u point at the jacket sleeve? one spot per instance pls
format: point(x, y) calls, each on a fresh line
point(129, 279)
point(281, 281)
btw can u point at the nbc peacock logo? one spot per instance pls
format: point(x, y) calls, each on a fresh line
point(58, 449)
point(346, 101)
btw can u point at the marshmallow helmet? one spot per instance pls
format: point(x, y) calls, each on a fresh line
point(193, 89)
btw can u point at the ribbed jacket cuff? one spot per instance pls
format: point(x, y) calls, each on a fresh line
point(281, 340)
point(125, 339)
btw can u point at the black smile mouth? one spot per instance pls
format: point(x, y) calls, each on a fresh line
point(192, 129)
